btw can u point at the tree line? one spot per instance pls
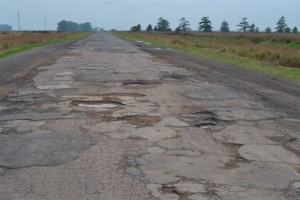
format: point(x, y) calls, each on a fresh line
point(69, 26)
point(5, 27)
point(205, 25)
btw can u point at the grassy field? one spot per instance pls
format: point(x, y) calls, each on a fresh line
point(275, 54)
point(14, 42)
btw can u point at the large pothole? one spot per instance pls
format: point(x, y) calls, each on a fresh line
point(140, 83)
point(97, 105)
point(140, 120)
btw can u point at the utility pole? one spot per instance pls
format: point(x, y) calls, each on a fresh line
point(19, 21)
point(45, 24)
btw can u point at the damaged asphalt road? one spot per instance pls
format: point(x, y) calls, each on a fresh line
point(112, 120)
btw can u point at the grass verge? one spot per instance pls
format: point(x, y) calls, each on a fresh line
point(288, 73)
point(24, 47)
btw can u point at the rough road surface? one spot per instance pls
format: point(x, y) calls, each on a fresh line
point(109, 120)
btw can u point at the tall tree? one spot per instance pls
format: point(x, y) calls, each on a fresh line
point(252, 28)
point(244, 25)
point(184, 26)
point(281, 25)
point(256, 30)
point(163, 25)
point(205, 25)
point(224, 26)
point(295, 30)
point(149, 28)
point(268, 30)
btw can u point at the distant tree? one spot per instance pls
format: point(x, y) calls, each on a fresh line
point(136, 28)
point(69, 26)
point(281, 25)
point(244, 25)
point(252, 28)
point(177, 30)
point(224, 26)
point(163, 25)
point(149, 28)
point(85, 27)
point(205, 25)
point(5, 27)
point(287, 30)
point(184, 26)
point(268, 30)
point(295, 30)
point(256, 30)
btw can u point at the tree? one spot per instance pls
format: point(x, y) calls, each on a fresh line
point(136, 28)
point(205, 25)
point(256, 30)
point(149, 28)
point(5, 27)
point(252, 28)
point(244, 25)
point(69, 26)
point(163, 25)
point(85, 27)
point(268, 30)
point(224, 26)
point(281, 25)
point(287, 30)
point(295, 30)
point(184, 26)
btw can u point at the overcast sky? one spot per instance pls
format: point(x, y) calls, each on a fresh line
point(122, 14)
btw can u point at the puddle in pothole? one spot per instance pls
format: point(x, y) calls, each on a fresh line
point(97, 104)
point(105, 105)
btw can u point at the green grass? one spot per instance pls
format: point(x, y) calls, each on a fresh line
point(17, 49)
point(294, 44)
point(288, 73)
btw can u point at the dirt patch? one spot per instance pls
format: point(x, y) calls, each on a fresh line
point(141, 120)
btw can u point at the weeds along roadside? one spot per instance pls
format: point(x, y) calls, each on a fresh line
point(275, 54)
point(15, 42)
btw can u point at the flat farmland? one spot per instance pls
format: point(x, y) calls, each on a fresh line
point(275, 54)
point(14, 42)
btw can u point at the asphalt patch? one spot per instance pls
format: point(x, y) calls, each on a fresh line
point(17, 151)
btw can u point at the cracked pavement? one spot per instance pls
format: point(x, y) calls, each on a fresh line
point(108, 120)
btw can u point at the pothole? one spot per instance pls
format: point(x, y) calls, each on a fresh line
point(97, 104)
point(140, 120)
point(208, 119)
point(91, 105)
point(211, 121)
point(175, 76)
point(135, 83)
